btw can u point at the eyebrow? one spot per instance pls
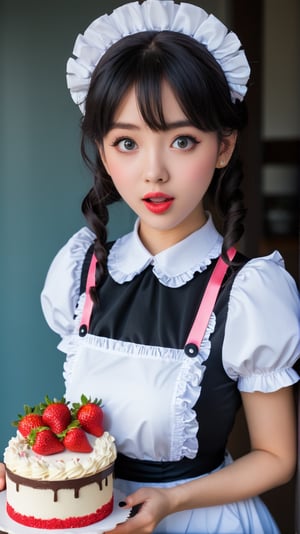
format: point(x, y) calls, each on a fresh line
point(169, 125)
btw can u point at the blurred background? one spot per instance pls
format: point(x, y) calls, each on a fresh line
point(42, 178)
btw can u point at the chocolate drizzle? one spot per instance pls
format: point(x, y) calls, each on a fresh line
point(55, 485)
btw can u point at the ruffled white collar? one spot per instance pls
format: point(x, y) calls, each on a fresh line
point(174, 266)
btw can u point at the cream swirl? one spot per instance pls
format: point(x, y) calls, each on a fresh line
point(20, 459)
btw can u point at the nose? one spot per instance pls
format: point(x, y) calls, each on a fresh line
point(155, 166)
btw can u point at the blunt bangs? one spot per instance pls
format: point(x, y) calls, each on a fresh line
point(146, 59)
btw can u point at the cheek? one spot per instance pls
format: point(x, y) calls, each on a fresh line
point(114, 165)
point(122, 180)
point(114, 168)
point(118, 173)
point(199, 171)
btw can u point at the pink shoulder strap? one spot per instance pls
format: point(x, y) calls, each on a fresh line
point(206, 307)
point(88, 305)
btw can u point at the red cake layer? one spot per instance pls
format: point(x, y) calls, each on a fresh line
point(69, 522)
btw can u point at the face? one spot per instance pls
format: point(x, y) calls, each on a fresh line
point(162, 175)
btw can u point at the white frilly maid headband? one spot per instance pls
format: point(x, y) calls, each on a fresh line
point(157, 15)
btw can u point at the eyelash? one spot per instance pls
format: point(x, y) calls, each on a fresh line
point(190, 138)
point(118, 140)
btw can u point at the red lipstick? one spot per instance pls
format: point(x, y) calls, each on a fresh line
point(157, 202)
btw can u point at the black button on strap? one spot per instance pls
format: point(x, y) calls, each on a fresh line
point(191, 350)
point(83, 330)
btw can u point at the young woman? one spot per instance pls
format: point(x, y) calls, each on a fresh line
point(161, 88)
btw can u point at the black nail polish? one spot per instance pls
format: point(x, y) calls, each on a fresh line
point(122, 503)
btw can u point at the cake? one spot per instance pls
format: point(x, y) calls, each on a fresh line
point(59, 466)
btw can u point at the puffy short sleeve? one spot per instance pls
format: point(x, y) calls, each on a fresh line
point(262, 334)
point(62, 285)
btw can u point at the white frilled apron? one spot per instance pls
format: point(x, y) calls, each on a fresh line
point(157, 388)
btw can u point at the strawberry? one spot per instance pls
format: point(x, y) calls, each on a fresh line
point(29, 420)
point(75, 438)
point(56, 414)
point(90, 415)
point(43, 441)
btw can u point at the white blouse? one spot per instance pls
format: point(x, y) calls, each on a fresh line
point(262, 333)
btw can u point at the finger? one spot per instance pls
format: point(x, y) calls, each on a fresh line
point(2, 477)
point(124, 504)
point(135, 499)
point(126, 527)
point(135, 509)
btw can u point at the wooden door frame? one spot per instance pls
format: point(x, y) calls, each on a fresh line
point(248, 22)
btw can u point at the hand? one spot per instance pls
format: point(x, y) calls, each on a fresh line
point(2, 477)
point(155, 505)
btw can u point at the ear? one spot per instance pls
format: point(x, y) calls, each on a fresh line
point(226, 149)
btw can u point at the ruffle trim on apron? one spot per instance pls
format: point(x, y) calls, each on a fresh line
point(187, 389)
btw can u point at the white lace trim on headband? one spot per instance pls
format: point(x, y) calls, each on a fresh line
point(157, 15)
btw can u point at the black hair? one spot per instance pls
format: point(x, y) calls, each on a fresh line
point(144, 60)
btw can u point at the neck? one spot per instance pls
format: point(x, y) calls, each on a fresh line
point(156, 240)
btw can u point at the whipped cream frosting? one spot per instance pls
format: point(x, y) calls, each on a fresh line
point(21, 459)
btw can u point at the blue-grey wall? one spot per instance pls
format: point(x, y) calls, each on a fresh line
point(42, 182)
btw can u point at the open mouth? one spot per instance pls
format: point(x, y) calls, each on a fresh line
point(157, 202)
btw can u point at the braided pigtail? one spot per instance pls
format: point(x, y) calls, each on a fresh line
point(231, 202)
point(94, 208)
point(227, 197)
point(97, 221)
